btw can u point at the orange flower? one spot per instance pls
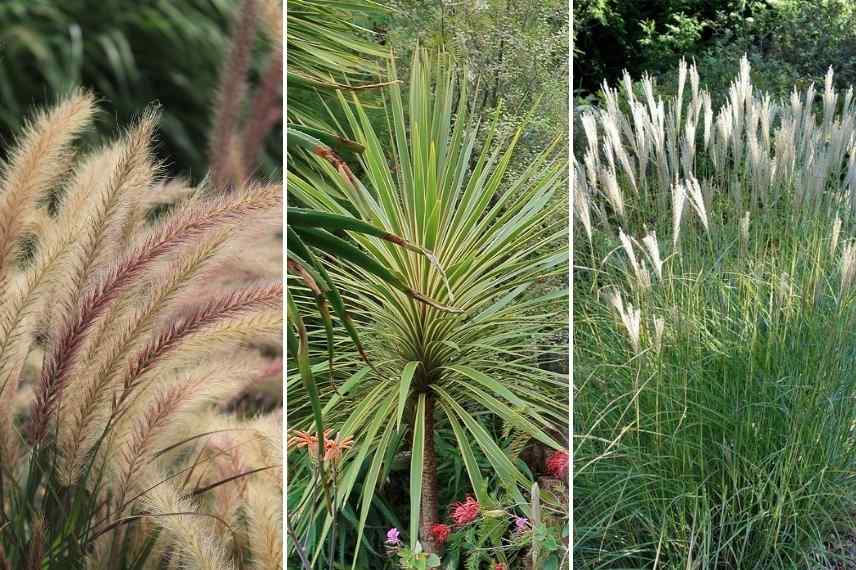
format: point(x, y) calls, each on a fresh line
point(333, 447)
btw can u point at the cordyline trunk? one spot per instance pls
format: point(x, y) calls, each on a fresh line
point(428, 511)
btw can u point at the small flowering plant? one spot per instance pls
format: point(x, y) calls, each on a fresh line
point(409, 559)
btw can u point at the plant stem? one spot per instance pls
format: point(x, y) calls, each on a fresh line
point(430, 490)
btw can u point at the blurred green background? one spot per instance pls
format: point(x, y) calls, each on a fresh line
point(131, 54)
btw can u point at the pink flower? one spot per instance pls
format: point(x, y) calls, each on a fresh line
point(440, 532)
point(520, 524)
point(393, 537)
point(465, 512)
point(557, 464)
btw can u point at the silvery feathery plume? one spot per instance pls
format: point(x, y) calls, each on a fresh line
point(632, 319)
point(652, 248)
point(768, 113)
point(796, 103)
point(644, 276)
point(848, 268)
point(591, 162)
point(830, 98)
point(682, 80)
point(744, 232)
point(694, 80)
point(613, 299)
point(679, 198)
point(648, 90)
point(836, 232)
point(848, 100)
point(708, 117)
point(659, 329)
point(609, 154)
point(590, 129)
point(609, 186)
point(697, 201)
point(582, 200)
point(639, 271)
point(627, 82)
point(610, 127)
point(640, 142)
point(785, 151)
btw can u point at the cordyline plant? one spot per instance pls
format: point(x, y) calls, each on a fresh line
point(111, 452)
point(714, 328)
point(492, 239)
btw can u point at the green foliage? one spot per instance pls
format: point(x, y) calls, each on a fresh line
point(130, 54)
point(789, 42)
point(647, 35)
point(416, 559)
point(516, 53)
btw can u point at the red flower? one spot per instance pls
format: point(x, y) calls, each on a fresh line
point(499, 566)
point(465, 512)
point(440, 532)
point(557, 464)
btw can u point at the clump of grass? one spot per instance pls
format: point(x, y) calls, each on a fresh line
point(111, 453)
point(714, 345)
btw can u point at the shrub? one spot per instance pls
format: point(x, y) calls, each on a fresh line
point(112, 454)
point(713, 346)
point(470, 373)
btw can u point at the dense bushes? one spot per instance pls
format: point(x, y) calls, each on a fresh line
point(789, 42)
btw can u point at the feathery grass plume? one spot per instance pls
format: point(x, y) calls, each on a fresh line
point(652, 249)
point(743, 230)
point(36, 163)
point(847, 268)
point(696, 200)
point(659, 330)
point(760, 150)
point(97, 372)
point(192, 531)
point(190, 224)
point(266, 106)
point(582, 201)
point(679, 197)
point(836, 233)
point(152, 425)
point(631, 318)
point(631, 257)
point(265, 526)
point(233, 86)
